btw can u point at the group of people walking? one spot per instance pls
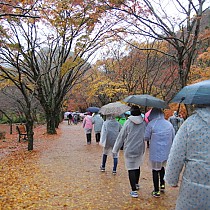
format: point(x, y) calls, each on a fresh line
point(88, 123)
point(73, 118)
point(111, 135)
point(133, 135)
point(187, 149)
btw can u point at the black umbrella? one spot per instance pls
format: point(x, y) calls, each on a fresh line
point(93, 109)
point(146, 100)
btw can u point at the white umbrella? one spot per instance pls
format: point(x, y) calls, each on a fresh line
point(115, 108)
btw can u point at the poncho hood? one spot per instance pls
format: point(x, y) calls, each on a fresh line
point(136, 119)
point(204, 113)
point(155, 114)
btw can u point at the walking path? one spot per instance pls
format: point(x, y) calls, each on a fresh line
point(66, 176)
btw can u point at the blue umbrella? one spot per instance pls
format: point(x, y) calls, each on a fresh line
point(93, 109)
point(198, 93)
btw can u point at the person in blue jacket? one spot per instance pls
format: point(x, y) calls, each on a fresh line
point(160, 133)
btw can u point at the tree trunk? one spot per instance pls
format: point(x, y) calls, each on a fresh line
point(58, 118)
point(51, 125)
point(30, 134)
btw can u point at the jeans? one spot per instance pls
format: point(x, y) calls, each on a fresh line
point(115, 162)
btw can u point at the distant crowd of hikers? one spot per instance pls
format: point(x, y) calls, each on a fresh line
point(73, 118)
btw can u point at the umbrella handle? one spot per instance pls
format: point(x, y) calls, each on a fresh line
point(182, 99)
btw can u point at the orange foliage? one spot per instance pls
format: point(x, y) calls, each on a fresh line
point(15, 6)
point(174, 107)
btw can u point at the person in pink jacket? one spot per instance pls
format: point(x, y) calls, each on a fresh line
point(88, 126)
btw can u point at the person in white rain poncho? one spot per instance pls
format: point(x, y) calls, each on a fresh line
point(97, 121)
point(160, 133)
point(191, 152)
point(176, 121)
point(132, 136)
point(110, 130)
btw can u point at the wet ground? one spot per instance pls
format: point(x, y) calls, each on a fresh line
point(63, 173)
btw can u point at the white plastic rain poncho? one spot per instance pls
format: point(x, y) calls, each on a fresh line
point(132, 136)
point(97, 121)
point(110, 130)
point(160, 133)
point(176, 121)
point(191, 151)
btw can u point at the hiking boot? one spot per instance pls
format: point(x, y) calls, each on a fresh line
point(156, 194)
point(137, 186)
point(162, 188)
point(134, 194)
point(102, 168)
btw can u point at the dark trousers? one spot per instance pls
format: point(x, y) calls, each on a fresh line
point(158, 175)
point(88, 135)
point(98, 135)
point(134, 176)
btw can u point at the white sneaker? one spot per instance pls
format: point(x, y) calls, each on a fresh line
point(102, 169)
point(134, 194)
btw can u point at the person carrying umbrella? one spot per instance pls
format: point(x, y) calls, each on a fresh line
point(132, 136)
point(190, 151)
point(110, 130)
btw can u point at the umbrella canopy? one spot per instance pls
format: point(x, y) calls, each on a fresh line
point(115, 108)
point(198, 93)
point(93, 109)
point(146, 100)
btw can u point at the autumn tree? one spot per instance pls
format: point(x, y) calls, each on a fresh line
point(17, 8)
point(133, 71)
point(12, 62)
point(201, 68)
point(25, 99)
point(74, 38)
point(54, 54)
point(154, 20)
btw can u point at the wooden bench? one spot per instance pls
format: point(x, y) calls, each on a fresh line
point(22, 133)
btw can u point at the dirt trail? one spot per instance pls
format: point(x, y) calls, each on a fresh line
point(66, 175)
